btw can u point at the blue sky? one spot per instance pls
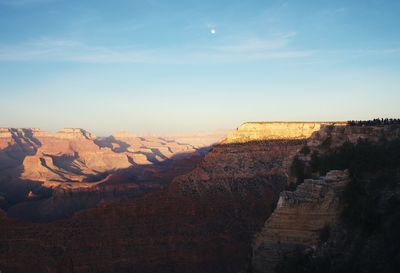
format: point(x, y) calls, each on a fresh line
point(156, 66)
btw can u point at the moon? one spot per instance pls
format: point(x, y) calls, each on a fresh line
point(213, 31)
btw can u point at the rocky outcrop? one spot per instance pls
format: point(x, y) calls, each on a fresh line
point(298, 219)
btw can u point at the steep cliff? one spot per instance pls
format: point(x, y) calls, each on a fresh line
point(254, 131)
point(298, 219)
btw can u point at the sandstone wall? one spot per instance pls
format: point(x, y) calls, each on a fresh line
point(258, 131)
point(298, 219)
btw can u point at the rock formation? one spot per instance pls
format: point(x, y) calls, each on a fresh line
point(203, 221)
point(253, 131)
point(298, 219)
point(15, 144)
point(334, 136)
point(149, 149)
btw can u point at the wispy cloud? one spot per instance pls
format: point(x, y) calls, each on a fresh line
point(333, 12)
point(22, 3)
point(257, 44)
point(381, 51)
point(245, 50)
point(46, 49)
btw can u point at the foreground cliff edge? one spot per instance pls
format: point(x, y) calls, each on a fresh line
point(205, 220)
point(344, 221)
point(298, 219)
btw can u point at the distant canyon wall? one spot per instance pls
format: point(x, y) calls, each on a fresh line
point(79, 170)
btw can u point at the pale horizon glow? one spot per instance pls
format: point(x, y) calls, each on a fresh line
point(155, 66)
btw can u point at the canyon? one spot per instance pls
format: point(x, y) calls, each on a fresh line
point(46, 176)
point(230, 211)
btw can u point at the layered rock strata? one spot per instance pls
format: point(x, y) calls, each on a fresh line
point(298, 219)
point(254, 131)
point(15, 144)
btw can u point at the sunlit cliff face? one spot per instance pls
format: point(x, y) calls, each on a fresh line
point(256, 131)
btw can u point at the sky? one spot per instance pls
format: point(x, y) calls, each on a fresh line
point(152, 66)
